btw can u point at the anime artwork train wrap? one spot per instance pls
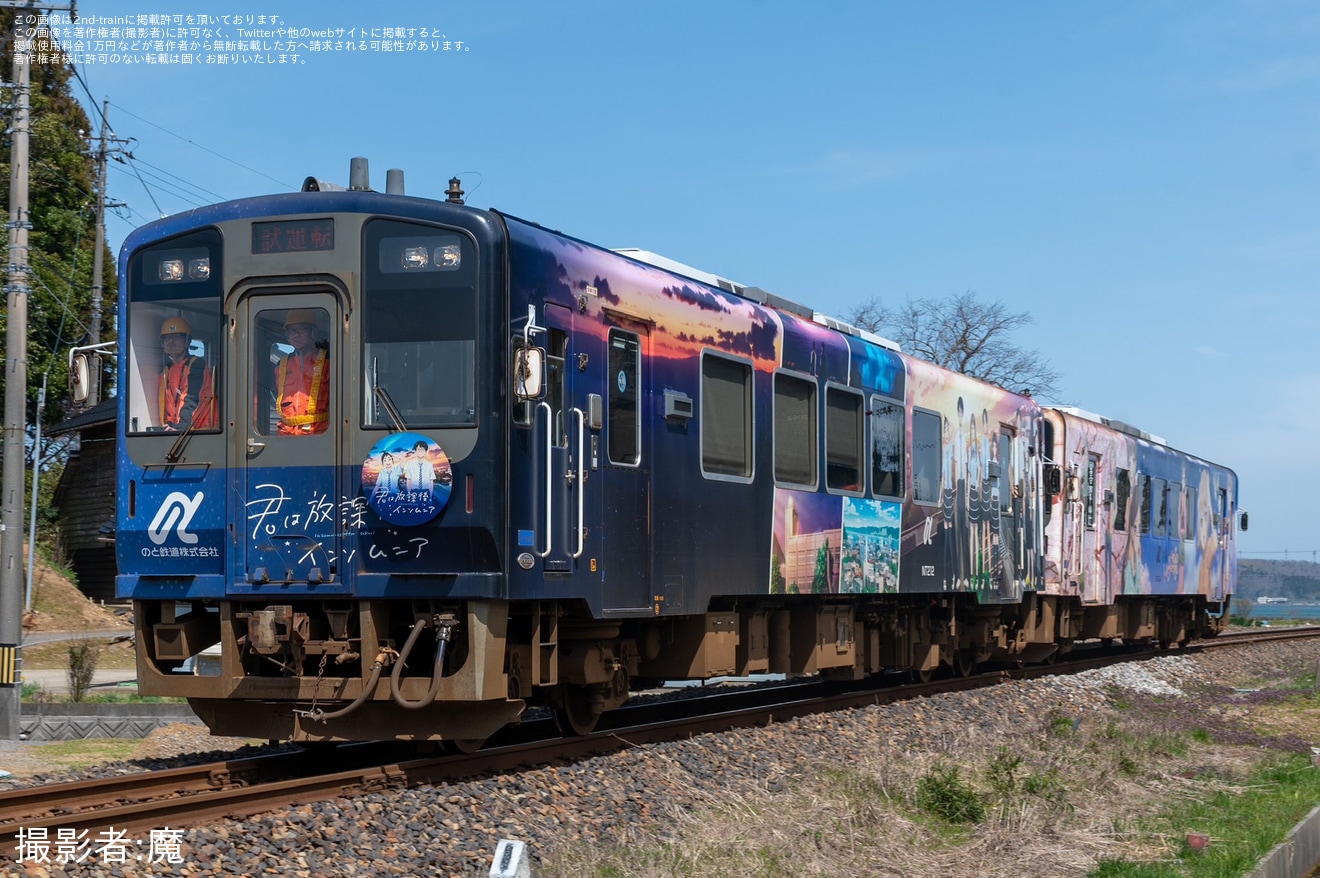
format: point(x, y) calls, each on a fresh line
point(535, 472)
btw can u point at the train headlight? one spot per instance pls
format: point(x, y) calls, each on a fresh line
point(448, 257)
point(199, 269)
point(415, 257)
point(171, 269)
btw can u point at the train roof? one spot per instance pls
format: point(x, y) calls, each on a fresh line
point(756, 294)
point(1113, 424)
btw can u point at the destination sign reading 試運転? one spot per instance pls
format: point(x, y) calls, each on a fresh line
point(293, 236)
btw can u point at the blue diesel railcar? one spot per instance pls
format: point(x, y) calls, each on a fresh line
point(444, 464)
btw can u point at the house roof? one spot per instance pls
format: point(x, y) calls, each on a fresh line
point(102, 413)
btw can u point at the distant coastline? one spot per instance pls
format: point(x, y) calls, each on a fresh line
point(1284, 611)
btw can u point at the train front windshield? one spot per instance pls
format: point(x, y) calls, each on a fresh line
point(419, 328)
point(417, 336)
point(172, 344)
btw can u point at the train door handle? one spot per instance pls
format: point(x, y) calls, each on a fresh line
point(253, 446)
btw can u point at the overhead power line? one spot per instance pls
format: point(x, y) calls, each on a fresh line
point(221, 156)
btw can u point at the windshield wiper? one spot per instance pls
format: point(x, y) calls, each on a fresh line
point(391, 409)
point(176, 450)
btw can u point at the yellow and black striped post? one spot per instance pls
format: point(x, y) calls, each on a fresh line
point(8, 664)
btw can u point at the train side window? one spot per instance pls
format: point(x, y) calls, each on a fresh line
point(556, 378)
point(1047, 444)
point(1189, 528)
point(1159, 495)
point(927, 450)
point(624, 379)
point(726, 416)
point(1008, 475)
point(886, 447)
point(1122, 491)
point(795, 430)
point(1145, 504)
point(843, 439)
point(1088, 491)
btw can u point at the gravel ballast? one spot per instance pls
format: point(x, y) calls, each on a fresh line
point(665, 795)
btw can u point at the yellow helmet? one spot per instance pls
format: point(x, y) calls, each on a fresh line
point(175, 324)
point(300, 315)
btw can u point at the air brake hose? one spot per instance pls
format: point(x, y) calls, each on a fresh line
point(442, 641)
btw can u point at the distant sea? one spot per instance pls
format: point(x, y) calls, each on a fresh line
point(1285, 611)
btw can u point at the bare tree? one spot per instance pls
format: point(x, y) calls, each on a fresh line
point(963, 333)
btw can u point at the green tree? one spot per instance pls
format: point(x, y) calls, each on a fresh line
point(61, 243)
point(62, 210)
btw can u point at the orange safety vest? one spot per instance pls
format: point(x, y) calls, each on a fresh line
point(303, 406)
point(174, 396)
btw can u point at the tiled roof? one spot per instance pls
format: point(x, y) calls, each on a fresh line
point(103, 412)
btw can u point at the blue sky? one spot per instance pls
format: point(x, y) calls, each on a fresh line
point(1140, 177)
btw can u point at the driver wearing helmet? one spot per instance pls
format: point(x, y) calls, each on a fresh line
point(303, 378)
point(187, 398)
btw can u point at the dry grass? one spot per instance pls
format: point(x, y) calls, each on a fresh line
point(59, 606)
point(1056, 804)
point(55, 656)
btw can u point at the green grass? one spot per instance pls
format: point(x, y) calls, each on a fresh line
point(1243, 823)
point(90, 751)
point(944, 793)
point(33, 693)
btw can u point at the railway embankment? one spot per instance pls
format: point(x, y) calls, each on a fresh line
point(1068, 773)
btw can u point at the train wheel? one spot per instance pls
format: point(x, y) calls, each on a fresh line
point(922, 676)
point(964, 663)
point(578, 710)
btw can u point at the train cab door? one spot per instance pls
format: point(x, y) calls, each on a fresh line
point(597, 486)
point(560, 429)
point(289, 374)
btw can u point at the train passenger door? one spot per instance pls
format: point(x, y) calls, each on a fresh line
point(289, 376)
point(1094, 550)
point(624, 473)
point(1011, 514)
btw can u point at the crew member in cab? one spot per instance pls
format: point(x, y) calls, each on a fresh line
point(302, 378)
point(187, 395)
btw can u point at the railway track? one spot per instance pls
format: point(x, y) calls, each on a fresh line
point(184, 797)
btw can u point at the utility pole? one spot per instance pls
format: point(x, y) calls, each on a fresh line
point(94, 335)
point(11, 529)
point(16, 290)
point(98, 258)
